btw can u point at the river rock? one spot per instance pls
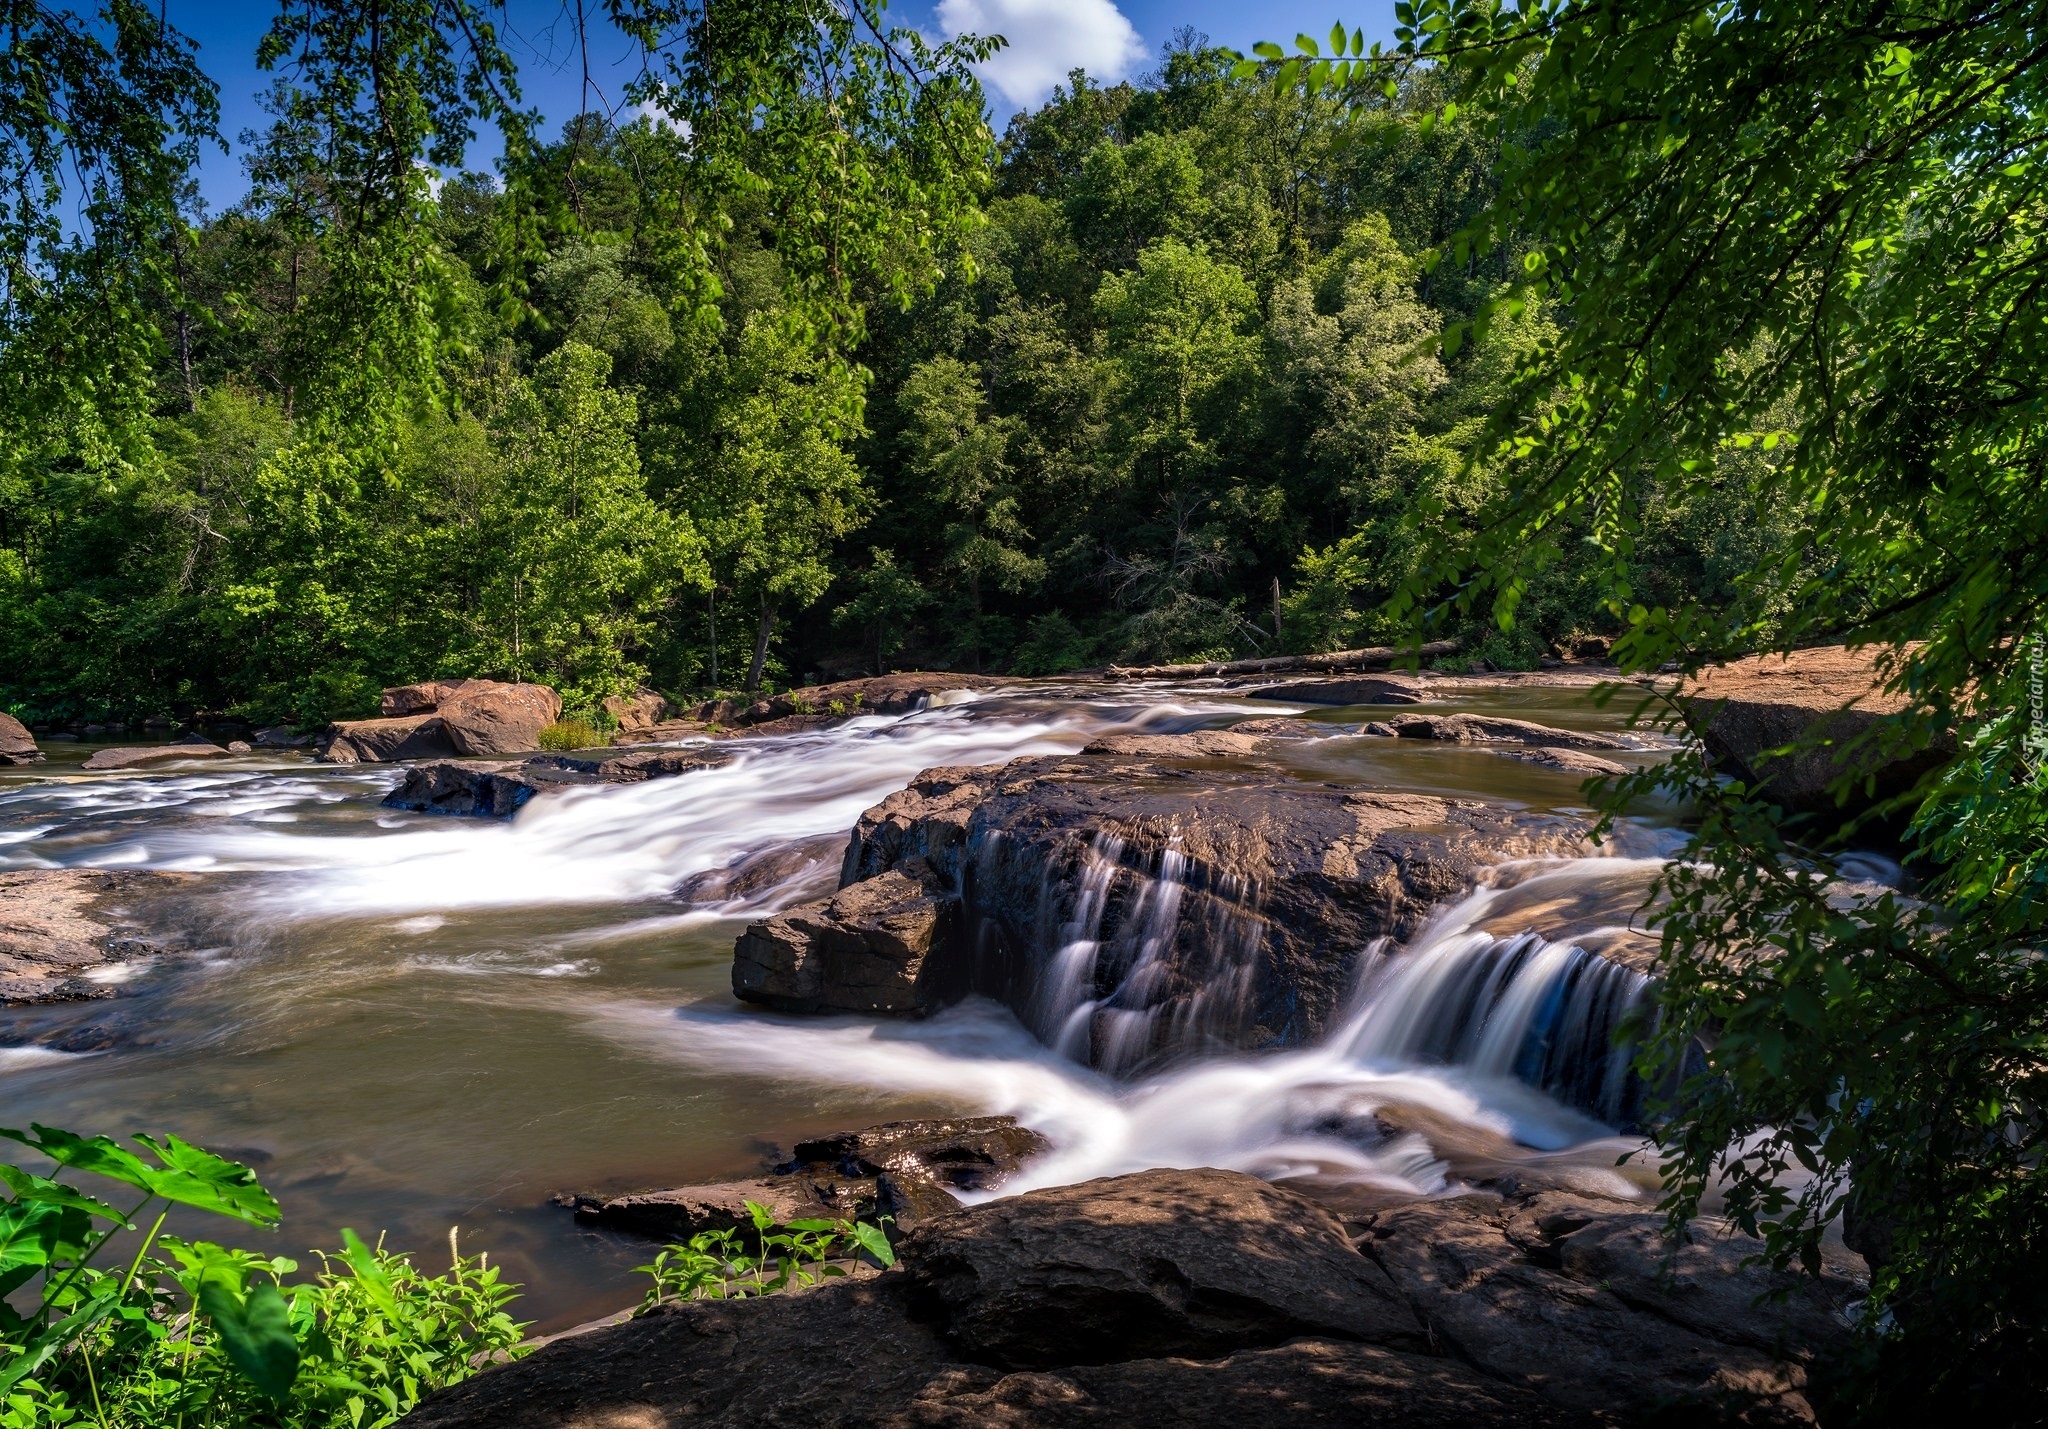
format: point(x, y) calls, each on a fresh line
point(643, 709)
point(907, 1171)
point(129, 756)
point(864, 949)
point(58, 924)
point(499, 789)
point(444, 718)
point(797, 871)
point(281, 736)
point(1171, 1298)
point(1192, 1264)
point(1363, 690)
point(1745, 710)
point(1280, 886)
point(17, 745)
point(1492, 729)
point(1569, 761)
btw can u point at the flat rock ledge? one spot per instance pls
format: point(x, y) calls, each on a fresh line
point(59, 924)
point(906, 1171)
point(1200, 1297)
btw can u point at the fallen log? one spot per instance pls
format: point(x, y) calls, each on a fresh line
point(1377, 657)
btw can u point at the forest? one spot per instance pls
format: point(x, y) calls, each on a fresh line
point(1174, 393)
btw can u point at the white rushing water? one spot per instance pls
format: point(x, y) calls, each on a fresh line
point(591, 845)
point(1431, 1067)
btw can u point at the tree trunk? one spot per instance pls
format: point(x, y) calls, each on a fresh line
point(1276, 612)
point(712, 607)
point(761, 634)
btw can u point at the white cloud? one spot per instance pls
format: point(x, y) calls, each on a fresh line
point(1047, 39)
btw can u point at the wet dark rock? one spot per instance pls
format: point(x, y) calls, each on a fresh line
point(865, 949)
point(500, 789)
point(281, 736)
point(1826, 701)
point(58, 924)
point(789, 872)
point(1172, 1298)
point(1182, 1263)
point(1284, 885)
point(1362, 690)
point(907, 1171)
point(17, 745)
point(1491, 729)
point(130, 756)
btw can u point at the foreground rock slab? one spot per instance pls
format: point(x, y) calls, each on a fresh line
point(17, 745)
point(1209, 1297)
point(59, 924)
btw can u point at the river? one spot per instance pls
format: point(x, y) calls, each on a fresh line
point(407, 1022)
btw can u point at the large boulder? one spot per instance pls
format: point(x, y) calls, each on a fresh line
point(1130, 906)
point(1492, 729)
point(57, 925)
point(446, 718)
point(865, 949)
point(1358, 690)
point(1209, 1297)
point(17, 745)
point(1817, 705)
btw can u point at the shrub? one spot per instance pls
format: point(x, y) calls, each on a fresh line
point(193, 1333)
point(573, 733)
point(716, 1265)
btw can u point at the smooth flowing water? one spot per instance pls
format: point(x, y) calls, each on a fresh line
point(408, 1022)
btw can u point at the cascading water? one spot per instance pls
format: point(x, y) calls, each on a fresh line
point(410, 1021)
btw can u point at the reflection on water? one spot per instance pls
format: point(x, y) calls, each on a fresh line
point(408, 1021)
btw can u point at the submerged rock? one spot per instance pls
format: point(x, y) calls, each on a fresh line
point(1170, 1298)
point(129, 756)
point(1569, 761)
point(59, 924)
point(1491, 729)
point(1361, 690)
point(17, 745)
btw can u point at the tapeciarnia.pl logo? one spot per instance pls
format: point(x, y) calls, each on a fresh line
point(2035, 743)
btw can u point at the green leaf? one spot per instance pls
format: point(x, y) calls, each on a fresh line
point(1307, 46)
point(370, 1275)
point(256, 1332)
point(875, 1242)
point(1269, 50)
point(97, 1155)
point(199, 1178)
point(1337, 38)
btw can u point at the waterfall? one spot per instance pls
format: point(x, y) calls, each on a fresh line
point(1142, 959)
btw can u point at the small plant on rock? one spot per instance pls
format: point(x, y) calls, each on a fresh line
point(717, 1265)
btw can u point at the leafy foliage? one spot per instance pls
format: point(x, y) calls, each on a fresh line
point(195, 1332)
point(727, 1264)
point(1800, 246)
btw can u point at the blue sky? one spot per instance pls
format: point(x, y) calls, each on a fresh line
point(1110, 38)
